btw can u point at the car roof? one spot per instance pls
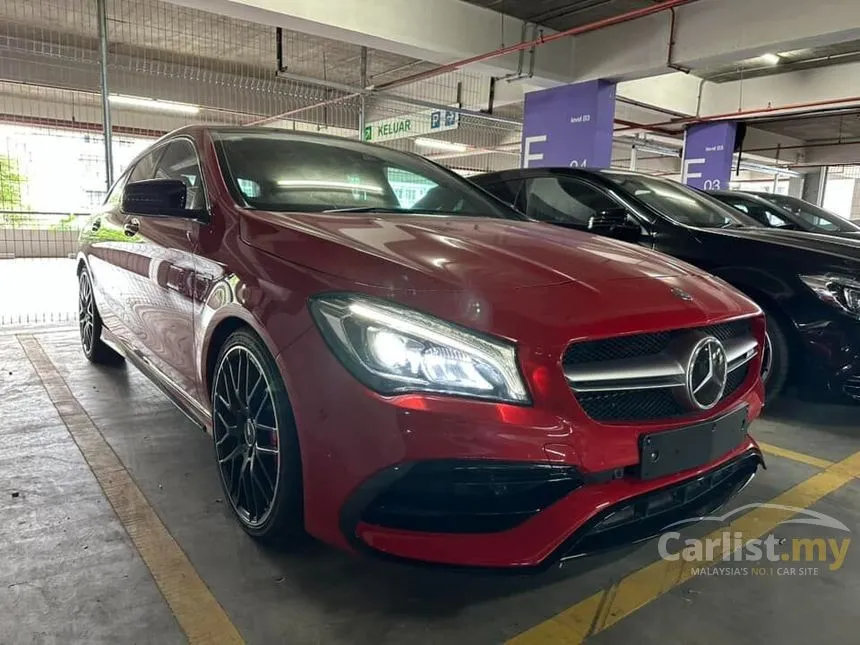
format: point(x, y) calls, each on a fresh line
point(520, 173)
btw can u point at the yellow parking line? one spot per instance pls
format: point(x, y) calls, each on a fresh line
point(795, 456)
point(197, 611)
point(607, 607)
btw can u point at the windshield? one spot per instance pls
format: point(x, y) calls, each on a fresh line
point(765, 213)
point(280, 171)
point(680, 203)
point(817, 219)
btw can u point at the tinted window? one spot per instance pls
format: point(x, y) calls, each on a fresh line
point(180, 162)
point(818, 218)
point(759, 212)
point(680, 203)
point(507, 191)
point(293, 172)
point(561, 200)
point(145, 168)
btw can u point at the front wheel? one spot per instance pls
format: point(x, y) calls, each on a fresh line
point(775, 359)
point(256, 446)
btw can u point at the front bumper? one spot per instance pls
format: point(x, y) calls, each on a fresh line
point(832, 355)
point(356, 446)
point(591, 519)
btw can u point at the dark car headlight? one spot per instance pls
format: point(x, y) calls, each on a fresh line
point(394, 350)
point(838, 290)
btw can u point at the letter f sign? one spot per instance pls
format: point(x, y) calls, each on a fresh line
point(528, 156)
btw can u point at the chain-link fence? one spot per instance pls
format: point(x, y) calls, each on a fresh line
point(169, 66)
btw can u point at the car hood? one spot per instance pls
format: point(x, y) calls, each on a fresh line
point(429, 253)
point(841, 246)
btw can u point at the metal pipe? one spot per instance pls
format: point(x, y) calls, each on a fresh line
point(106, 116)
point(671, 49)
point(822, 186)
point(753, 111)
point(362, 101)
point(279, 48)
point(537, 42)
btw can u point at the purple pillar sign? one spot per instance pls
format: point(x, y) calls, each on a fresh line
point(569, 126)
point(708, 152)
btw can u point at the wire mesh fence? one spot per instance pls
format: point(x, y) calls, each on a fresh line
point(168, 66)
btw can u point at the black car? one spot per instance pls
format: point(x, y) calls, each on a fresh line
point(789, 213)
point(808, 285)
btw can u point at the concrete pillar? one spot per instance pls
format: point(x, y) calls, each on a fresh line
point(796, 186)
point(855, 202)
point(812, 187)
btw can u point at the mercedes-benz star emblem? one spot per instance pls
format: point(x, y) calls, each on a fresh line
point(706, 374)
point(680, 293)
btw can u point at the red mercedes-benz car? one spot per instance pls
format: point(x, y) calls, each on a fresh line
point(460, 387)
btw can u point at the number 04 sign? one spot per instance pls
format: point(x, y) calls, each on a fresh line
point(708, 153)
point(570, 125)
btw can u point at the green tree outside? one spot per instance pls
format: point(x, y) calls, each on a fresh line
point(11, 184)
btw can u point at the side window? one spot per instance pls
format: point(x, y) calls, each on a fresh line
point(179, 161)
point(507, 191)
point(144, 168)
point(565, 201)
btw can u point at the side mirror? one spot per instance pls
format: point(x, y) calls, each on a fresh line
point(615, 222)
point(159, 198)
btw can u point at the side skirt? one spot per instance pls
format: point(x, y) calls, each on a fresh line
point(187, 405)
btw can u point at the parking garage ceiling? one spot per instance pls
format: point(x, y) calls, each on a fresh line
point(562, 14)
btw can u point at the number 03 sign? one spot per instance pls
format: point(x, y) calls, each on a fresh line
point(708, 153)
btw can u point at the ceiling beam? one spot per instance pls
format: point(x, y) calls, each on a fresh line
point(711, 33)
point(441, 31)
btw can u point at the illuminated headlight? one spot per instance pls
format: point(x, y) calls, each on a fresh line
point(838, 290)
point(394, 350)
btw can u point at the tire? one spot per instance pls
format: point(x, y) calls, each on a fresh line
point(90, 325)
point(255, 442)
point(777, 359)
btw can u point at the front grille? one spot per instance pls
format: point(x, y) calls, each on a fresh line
point(638, 345)
point(645, 405)
point(644, 400)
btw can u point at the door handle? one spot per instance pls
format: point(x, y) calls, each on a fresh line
point(131, 227)
point(96, 225)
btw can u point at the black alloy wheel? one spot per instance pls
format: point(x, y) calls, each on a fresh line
point(775, 358)
point(90, 325)
point(255, 441)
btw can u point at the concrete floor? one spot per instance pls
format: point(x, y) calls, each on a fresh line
point(71, 574)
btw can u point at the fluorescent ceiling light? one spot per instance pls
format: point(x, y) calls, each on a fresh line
point(153, 104)
point(330, 185)
point(768, 170)
point(770, 59)
point(436, 144)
